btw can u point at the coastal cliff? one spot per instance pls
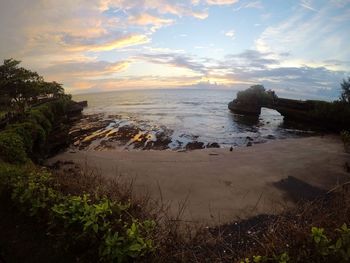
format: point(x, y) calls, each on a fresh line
point(332, 116)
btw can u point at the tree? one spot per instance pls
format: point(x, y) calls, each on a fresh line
point(345, 94)
point(51, 89)
point(18, 84)
point(256, 95)
point(20, 87)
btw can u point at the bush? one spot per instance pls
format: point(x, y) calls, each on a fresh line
point(345, 135)
point(320, 249)
point(27, 131)
point(31, 134)
point(12, 147)
point(60, 106)
point(102, 223)
point(104, 228)
point(256, 95)
point(39, 117)
point(333, 115)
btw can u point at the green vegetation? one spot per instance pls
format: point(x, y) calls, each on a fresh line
point(12, 147)
point(256, 95)
point(332, 116)
point(99, 221)
point(20, 87)
point(322, 248)
point(345, 135)
point(345, 95)
point(104, 226)
point(29, 135)
point(2, 114)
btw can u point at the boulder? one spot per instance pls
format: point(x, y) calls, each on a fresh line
point(194, 145)
point(213, 145)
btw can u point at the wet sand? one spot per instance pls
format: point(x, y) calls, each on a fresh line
point(220, 186)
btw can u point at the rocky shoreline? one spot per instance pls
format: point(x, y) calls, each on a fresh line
point(109, 132)
point(100, 132)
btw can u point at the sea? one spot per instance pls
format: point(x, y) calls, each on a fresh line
point(190, 114)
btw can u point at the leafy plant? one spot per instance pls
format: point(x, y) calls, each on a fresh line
point(256, 95)
point(321, 241)
point(345, 135)
point(12, 148)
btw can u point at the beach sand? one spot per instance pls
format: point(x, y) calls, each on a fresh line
point(220, 186)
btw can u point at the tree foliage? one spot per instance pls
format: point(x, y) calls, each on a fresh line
point(256, 95)
point(20, 87)
point(345, 94)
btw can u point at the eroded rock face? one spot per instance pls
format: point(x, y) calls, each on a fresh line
point(95, 132)
point(60, 137)
point(194, 145)
point(213, 145)
point(244, 108)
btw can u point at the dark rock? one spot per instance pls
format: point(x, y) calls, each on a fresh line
point(231, 149)
point(213, 145)
point(83, 103)
point(194, 145)
point(240, 107)
point(162, 141)
point(249, 138)
point(249, 144)
point(270, 137)
point(74, 109)
point(347, 167)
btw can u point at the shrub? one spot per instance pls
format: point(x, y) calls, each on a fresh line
point(27, 131)
point(33, 192)
point(320, 248)
point(60, 106)
point(46, 110)
point(12, 147)
point(39, 117)
point(104, 228)
point(345, 135)
point(327, 250)
point(102, 223)
point(333, 115)
point(256, 95)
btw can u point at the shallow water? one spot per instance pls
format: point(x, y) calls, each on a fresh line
point(190, 115)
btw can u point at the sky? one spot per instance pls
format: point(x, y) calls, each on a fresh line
point(299, 48)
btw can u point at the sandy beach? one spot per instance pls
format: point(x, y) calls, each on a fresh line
point(221, 186)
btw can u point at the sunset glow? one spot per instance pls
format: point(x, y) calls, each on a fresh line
point(299, 48)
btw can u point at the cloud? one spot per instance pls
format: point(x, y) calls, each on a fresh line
point(85, 68)
point(307, 4)
point(125, 41)
point(177, 8)
point(221, 2)
point(312, 36)
point(126, 83)
point(231, 34)
point(176, 60)
point(250, 4)
point(115, 44)
point(147, 19)
point(252, 59)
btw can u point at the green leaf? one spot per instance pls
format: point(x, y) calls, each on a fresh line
point(338, 244)
point(95, 228)
point(135, 247)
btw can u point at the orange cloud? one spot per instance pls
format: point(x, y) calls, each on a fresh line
point(126, 41)
point(147, 19)
point(221, 2)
